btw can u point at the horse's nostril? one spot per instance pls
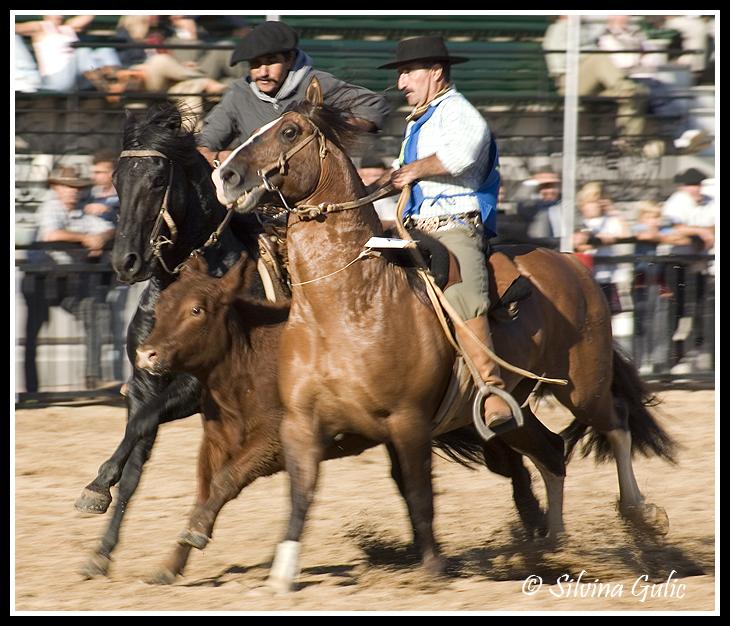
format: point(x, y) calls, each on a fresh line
point(230, 177)
point(130, 262)
point(146, 358)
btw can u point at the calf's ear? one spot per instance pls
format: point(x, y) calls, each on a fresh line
point(196, 263)
point(234, 279)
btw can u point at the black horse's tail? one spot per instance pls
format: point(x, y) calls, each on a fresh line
point(465, 447)
point(633, 400)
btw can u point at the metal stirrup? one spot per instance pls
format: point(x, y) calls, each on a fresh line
point(480, 424)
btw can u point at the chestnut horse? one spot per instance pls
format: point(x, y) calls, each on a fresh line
point(362, 353)
point(161, 167)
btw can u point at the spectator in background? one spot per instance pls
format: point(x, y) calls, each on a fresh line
point(371, 169)
point(279, 74)
point(598, 75)
point(59, 63)
point(27, 77)
point(650, 293)
point(691, 212)
point(692, 215)
point(622, 34)
point(102, 199)
point(542, 214)
point(61, 220)
point(161, 71)
point(213, 63)
point(222, 29)
point(600, 228)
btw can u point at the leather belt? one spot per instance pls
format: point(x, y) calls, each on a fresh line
point(472, 219)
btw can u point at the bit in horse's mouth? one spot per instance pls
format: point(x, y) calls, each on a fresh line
point(248, 200)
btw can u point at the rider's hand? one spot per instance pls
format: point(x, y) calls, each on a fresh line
point(406, 175)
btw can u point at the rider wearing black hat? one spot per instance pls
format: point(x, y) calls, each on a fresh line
point(279, 74)
point(450, 158)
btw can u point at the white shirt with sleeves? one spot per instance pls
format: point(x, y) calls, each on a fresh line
point(459, 136)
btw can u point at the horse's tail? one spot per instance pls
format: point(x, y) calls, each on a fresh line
point(633, 400)
point(465, 447)
point(461, 446)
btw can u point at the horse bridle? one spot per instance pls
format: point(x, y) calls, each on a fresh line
point(158, 240)
point(308, 211)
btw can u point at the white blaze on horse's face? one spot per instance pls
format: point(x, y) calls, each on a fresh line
point(219, 189)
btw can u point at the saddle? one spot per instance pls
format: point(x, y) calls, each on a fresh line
point(507, 287)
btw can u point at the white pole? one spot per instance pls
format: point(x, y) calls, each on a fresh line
point(570, 136)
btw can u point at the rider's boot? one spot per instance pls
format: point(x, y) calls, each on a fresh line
point(496, 410)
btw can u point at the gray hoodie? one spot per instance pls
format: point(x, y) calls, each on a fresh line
point(245, 108)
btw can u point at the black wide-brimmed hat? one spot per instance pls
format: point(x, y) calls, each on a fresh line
point(431, 48)
point(267, 38)
point(692, 176)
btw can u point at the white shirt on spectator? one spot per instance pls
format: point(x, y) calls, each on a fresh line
point(681, 208)
point(53, 215)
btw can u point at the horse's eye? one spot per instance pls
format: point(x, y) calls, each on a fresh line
point(196, 310)
point(290, 132)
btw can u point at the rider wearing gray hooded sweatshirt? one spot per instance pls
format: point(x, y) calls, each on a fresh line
point(279, 76)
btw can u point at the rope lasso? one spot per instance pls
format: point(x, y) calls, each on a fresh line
point(366, 252)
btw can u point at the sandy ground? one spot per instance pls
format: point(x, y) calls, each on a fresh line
point(356, 554)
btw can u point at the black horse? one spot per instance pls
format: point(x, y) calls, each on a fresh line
point(159, 167)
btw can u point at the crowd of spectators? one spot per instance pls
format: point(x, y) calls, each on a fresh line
point(84, 210)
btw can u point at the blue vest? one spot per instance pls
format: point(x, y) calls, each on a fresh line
point(486, 193)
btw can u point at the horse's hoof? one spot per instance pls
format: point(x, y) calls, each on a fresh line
point(193, 538)
point(96, 567)
point(646, 517)
point(553, 540)
point(161, 576)
point(276, 586)
point(94, 502)
point(434, 565)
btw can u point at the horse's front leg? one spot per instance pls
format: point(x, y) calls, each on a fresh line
point(303, 452)
point(99, 562)
point(144, 414)
point(410, 455)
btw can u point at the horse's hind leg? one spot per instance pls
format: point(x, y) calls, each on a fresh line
point(600, 409)
point(501, 459)
point(98, 564)
point(411, 469)
point(632, 505)
point(303, 452)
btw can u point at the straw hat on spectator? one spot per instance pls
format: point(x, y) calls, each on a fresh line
point(69, 176)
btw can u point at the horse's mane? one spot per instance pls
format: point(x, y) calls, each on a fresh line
point(333, 122)
point(161, 127)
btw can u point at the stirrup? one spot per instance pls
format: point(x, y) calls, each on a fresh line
point(484, 431)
